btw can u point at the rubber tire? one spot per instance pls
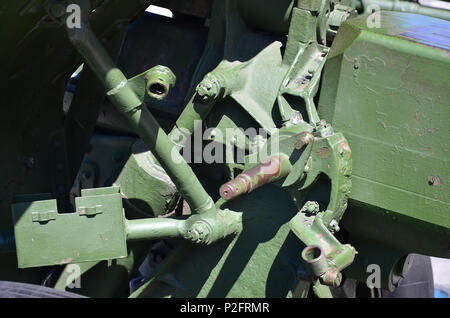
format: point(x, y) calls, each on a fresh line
point(22, 290)
point(418, 283)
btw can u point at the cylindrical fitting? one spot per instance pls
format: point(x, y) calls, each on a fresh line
point(159, 81)
point(204, 229)
point(315, 257)
point(270, 170)
point(154, 228)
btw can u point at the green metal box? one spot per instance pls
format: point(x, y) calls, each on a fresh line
point(95, 231)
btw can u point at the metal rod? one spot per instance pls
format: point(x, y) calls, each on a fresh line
point(273, 169)
point(156, 228)
point(127, 102)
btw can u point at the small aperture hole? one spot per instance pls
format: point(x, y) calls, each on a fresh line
point(157, 89)
point(312, 253)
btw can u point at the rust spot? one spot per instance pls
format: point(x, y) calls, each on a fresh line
point(420, 132)
point(344, 150)
point(429, 149)
point(251, 179)
point(66, 261)
point(303, 139)
point(417, 118)
point(344, 146)
point(302, 87)
point(186, 210)
point(350, 58)
point(434, 181)
point(323, 153)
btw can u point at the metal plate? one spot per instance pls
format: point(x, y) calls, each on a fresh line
point(96, 231)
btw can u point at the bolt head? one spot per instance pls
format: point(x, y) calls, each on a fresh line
point(199, 232)
point(206, 90)
point(337, 280)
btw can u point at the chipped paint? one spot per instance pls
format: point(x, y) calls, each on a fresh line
point(430, 150)
point(434, 181)
point(323, 153)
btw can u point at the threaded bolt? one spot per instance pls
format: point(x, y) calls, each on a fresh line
point(200, 232)
point(209, 88)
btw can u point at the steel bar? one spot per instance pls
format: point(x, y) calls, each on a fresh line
point(128, 103)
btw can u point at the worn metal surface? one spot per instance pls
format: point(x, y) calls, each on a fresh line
point(261, 261)
point(127, 100)
point(274, 168)
point(397, 77)
point(249, 76)
point(32, 117)
point(145, 185)
point(38, 228)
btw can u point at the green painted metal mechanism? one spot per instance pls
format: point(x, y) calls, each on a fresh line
point(351, 154)
point(99, 216)
point(401, 148)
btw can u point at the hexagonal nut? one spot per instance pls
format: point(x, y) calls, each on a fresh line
point(200, 232)
point(208, 88)
point(311, 207)
point(334, 225)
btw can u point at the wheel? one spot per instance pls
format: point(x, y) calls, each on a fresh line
point(418, 283)
point(21, 290)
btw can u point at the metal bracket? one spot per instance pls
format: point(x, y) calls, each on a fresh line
point(90, 210)
point(43, 216)
point(326, 256)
